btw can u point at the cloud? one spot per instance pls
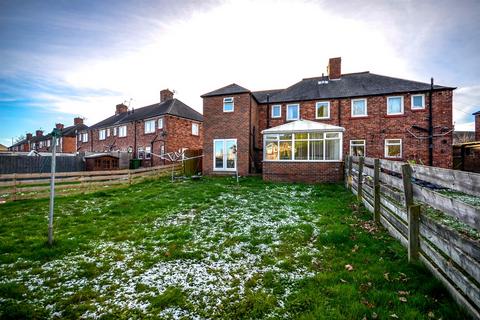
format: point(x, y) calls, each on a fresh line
point(465, 102)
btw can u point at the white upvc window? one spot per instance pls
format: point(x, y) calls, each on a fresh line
point(195, 127)
point(160, 123)
point(418, 102)
point(114, 131)
point(276, 111)
point(357, 148)
point(149, 126)
point(41, 144)
point(293, 111)
point(359, 108)
point(79, 137)
point(140, 153)
point(303, 146)
point(395, 105)
point(228, 104)
point(122, 131)
point(148, 152)
point(322, 110)
point(393, 148)
point(224, 154)
point(85, 137)
point(48, 143)
point(108, 132)
point(102, 134)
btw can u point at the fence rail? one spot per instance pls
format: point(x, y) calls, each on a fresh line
point(17, 186)
point(398, 194)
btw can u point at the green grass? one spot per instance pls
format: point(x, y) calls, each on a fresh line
point(210, 249)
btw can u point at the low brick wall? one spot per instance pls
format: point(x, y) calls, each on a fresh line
point(309, 172)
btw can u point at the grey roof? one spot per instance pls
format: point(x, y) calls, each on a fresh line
point(349, 85)
point(72, 130)
point(475, 113)
point(172, 107)
point(266, 94)
point(230, 89)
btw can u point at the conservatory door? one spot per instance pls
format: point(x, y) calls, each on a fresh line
point(225, 154)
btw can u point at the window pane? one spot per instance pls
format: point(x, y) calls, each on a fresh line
point(271, 137)
point(331, 135)
point(228, 105)
point(418, 101)
point(231, 154)
point(271, 151)
point(359, 107)
point(332, 149)
point(316, 150)
point(276, 111)
point(301, 150)
point(292, 112)
point(316, 135)
point(285, 136)
point(300, 136)
point(285, 150)
point(393, 151)
point(218, 154)
point(395, 105)
point(358, 151)
point(322, 110)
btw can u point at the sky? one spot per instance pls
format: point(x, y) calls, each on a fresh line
point(65, 58)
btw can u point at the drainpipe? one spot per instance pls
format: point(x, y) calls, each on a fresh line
point(268, 111)
point(134, 139)
point(430, 125)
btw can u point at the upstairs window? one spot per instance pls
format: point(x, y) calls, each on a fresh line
point(150, 126)
point(276, 111)
point(322, 110)
point(394, 105)
point(114, 131)
point(48, 143)
point(102, 134)
point(108, 132)
point(122, 131)
point(418, 101)
point(160, 123)
point(357, 148)
point(195, 129)
point(84, 137)
point(293, 112)
point(393, 148)
point(359, 107)
point(228, 104)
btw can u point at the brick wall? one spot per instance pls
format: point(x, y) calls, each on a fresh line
point(227, 125)
point(309, 172)
point(69, 145)
point(477, 127)
point(378, 126)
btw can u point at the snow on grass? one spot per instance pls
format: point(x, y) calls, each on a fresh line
point(226, 248)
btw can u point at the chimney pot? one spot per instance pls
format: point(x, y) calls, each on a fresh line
point(334, 68)
point(29, 136)
point(121, 108)
point(39, 133)
point(77, 121)
point(165, 95)
point(59, 126)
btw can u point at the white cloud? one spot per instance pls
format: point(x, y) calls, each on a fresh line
point(466, 101)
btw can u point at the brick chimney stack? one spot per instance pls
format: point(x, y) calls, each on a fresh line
point(165, 95)
point(477, 125)
point(29, 136)
point(39, 133)
point(77, 121)
point(59, 126)
point(334, 68)
point(121, 108)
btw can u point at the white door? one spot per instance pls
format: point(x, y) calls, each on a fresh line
point(224, 153)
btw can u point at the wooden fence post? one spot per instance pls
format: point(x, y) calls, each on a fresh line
point(14, 187)
point(413, 212)
point(360, 178)
point(345, 169)
point(349, 179)
point(129, 177)
point(376, 190)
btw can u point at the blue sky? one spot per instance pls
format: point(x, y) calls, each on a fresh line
point(61, 59)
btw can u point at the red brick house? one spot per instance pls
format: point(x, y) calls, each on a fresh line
point(163, 127)
point(302, 132)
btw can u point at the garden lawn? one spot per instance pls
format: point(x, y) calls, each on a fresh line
point(210, 249)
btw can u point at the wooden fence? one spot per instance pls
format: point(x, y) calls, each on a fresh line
point(398, 195)
point(38, 164)
point(37, 185)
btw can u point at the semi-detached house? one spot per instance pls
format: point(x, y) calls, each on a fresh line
point(166, 126)
point(303, 132)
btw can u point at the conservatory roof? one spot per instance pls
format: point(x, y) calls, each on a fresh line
point(303, 126)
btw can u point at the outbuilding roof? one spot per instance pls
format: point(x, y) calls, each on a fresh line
point(173, 107)
point(304, 126)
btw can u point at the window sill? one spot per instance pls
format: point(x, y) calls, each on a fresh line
point(359, 117)
point(394, 115)
point(323, 118)
point(417, 110)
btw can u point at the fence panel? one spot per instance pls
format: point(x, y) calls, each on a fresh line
point(39, 164)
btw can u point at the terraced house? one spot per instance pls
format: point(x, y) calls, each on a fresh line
point(162, 127)
point(301, 133)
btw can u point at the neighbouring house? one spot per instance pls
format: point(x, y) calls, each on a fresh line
point(166, 126)
point(301, 133)
point(3, 148)
point(466, 153)
point(67, 143)
point(22, 145)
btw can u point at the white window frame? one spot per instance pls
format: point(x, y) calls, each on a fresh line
point(412, 106)
point(160, 123)
point(224, 168)
point(402, 105)
point(393, 144)
point(195, 129)
point(85, 137)
point(48, 143)
point(120, 129)
point(298, 112)
point(114, 131)
point(102, 134)
point(148, 153)
point(366, 108)
point(324, 139)
point(151, 128)
point(140, 153)
point(108, 132)
point(279, 107)
point(228, 100)
point(322, 103)
point(357, 145)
